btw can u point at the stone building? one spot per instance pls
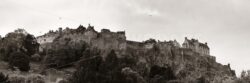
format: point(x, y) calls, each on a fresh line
point(48, 37)
point(88, 35)
point(121, 35)
point(174, 43)
point(196, 46)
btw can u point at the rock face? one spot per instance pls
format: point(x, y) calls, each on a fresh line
point(168, 60)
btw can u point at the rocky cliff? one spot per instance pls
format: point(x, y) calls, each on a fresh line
point(153, 60)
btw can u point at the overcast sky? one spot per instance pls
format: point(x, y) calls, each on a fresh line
point(224, 24)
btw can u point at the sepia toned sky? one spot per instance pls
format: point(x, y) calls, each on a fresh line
point(224, 24)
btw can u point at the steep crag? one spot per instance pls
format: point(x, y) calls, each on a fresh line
point(153, 60)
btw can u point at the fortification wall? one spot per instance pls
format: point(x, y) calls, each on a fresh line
point(196, 46)
point(116, 40)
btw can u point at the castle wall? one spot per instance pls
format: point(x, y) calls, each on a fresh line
point(90, 35)
point(43, 40)
point(196, 46)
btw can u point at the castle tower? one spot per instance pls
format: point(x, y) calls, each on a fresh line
point(121, 35)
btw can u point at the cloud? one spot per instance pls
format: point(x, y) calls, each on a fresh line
point(148, 12)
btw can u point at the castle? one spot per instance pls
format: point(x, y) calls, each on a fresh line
point(48, 37)
point(89, 35)
point(196, 46)
point(192, 56)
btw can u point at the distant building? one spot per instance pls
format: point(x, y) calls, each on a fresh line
point(196, 46)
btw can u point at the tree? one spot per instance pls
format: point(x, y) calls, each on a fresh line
point(95, 70)
point(88, 71)
point(111, 60)
point(19, 60)
point(19, 40)
point(30, 44)
point(160, 74)
point(65, 53)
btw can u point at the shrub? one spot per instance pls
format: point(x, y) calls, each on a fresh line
point(36, 57)
point(3, 78)
point(64, 55)
point(61, 58)
point(88, 72)
point(17, 79)
point(111, 60)
point(96, 70)
point(202, 79)
point(35, 79)
point(161, 74)
point(19, 60)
